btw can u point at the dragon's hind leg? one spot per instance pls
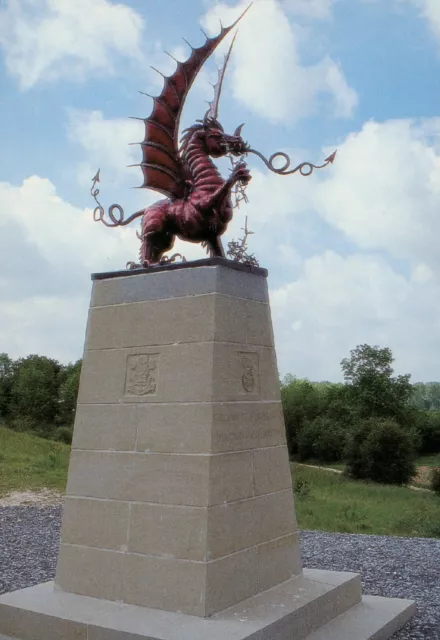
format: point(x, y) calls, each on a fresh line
point(157, 235)
point(214, 247)
point(154, 245)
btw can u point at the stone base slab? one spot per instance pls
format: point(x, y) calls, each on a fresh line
point(319, 605)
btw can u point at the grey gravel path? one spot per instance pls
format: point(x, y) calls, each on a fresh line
point(394, 567)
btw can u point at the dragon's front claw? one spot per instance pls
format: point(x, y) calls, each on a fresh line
point(241, 173)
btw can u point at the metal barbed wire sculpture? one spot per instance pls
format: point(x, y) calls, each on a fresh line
point(238, 249)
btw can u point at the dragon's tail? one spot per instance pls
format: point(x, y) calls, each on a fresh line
point(116, 220)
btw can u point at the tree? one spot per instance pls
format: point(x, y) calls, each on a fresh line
point(322, 440)
point(426, 396)
point(374, 391)
point(301, 402)
point(68, 393)
point(6, 373)
point(34, 392)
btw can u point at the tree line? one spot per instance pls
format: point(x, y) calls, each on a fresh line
point(38, 395)
point(375, 422)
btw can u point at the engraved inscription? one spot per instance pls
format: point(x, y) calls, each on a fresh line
point(244, 427)
point(238, 437)
point(141, 377)
point(249, 376)
point(248, 417)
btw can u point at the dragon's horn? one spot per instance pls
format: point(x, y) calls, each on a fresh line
point(237, 131)
point(212, 113)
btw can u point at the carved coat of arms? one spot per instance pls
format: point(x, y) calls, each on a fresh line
point(141, 375)
point(249, 362)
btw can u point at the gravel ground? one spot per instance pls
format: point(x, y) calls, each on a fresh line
point(394, 567)
point(390, 567)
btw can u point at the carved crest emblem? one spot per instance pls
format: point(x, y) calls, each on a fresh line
point(249, 362)
point(141, 374)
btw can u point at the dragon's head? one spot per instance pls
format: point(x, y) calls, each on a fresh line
point(218, 143)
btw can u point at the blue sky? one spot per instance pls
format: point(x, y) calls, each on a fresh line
point(352, 251)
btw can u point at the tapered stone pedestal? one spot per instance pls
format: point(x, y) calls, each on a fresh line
point(179, 520)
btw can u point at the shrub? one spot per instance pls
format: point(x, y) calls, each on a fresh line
point(322, 439)
point(380, 450)
point(64, 434)
point(435, 480)
point(22, 424)
point(301, 402)
point(301, 487)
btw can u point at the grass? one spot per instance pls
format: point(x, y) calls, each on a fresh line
point(325, 501)
point(328, 501)
point(30, 462)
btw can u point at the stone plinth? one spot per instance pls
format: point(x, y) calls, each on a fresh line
point(179, 511)
point(179, 494)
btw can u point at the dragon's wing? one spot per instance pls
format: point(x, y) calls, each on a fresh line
point(160, 164)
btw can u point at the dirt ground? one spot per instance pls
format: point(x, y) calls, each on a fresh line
point(43, 498)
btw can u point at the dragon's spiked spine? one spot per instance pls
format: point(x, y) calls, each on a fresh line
point(160, 164)
point(212, 113)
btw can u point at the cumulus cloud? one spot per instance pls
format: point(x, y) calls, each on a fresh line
point(338, 302)
point(63, 236)
point(383, 192)
point(105, 143)
point(271, 79)
point(45, 40)
point(48, 248)
point(430, 10)
point(315, 9)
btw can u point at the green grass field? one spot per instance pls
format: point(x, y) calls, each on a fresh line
point(332, 502)
point(325, 501)
point(29, 462)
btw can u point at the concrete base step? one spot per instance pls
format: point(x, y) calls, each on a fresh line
point(374, 618)
point(319, 605)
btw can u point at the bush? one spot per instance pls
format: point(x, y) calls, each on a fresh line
point(27, 424)
point(322, 439)
point(64, 434)
point(22, 424)
point(435, 480)
point(301, 402)
point(380, 450)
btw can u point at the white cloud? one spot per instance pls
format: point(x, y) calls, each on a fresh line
point(430, 10)
point(48, 248)
point(270, 79)
point(50, 326)
point(62, 235)
point(383, 191)
point(106, 144)
point(45, 40)
point(314, 9)
point(337, 303)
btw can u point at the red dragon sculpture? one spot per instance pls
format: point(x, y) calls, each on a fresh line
point(198, 205)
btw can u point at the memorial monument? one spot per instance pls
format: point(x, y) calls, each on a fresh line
point(179, 519)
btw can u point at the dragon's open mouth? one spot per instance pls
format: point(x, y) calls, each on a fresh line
point(236, 147)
